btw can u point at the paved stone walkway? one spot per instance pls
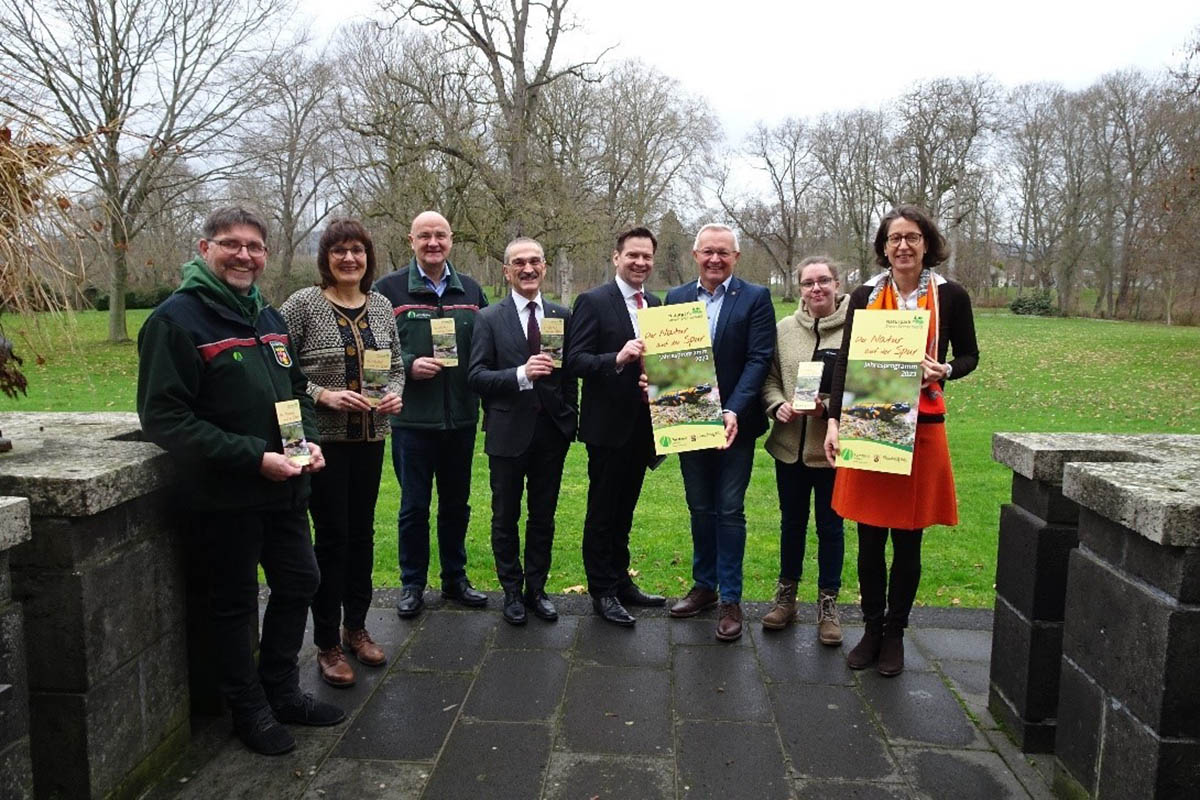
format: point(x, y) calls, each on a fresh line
point(470, 707)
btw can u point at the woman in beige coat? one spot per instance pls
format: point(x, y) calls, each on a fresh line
point(812, 334)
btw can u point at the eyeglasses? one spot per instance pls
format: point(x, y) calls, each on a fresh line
point(340, 252)
point(912, 239)
point(822, 281)
point(708, 252)
point(231, 247)
point(521, 263)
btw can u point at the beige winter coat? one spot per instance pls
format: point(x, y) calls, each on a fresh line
point(798, 338)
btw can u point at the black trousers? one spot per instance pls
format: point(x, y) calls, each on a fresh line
point(541, 468)
point(234, 545)
point(615, 476)
point(343, 515)
point(900, 589)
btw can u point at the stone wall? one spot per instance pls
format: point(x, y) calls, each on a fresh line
point(1097, 622)
point(16, 775)
point(101, 585)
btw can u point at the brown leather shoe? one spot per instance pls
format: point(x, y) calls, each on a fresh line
point(364, 648)
point(697, 600)
point(729, 622)
point(335, 669)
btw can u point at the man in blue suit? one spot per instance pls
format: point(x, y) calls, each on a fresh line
point(741, 322)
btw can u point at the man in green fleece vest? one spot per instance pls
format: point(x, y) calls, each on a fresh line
point(214, 360)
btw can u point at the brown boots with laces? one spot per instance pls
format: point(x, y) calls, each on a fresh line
point(783, 612)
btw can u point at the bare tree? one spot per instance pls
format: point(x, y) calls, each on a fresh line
point(850, 148)
point(290, 146)
point(782, 224)
point(940, 142)
point(512, 47)
point(143, 85)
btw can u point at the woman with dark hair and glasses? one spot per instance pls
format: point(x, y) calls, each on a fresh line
point(908, 246)
point(345, 338)
point(812, 335)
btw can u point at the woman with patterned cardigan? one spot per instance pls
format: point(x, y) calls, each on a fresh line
point(340, 330)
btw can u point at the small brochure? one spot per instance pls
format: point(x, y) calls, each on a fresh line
point(291, 430)
point(808, 385)
point(552, 339)
point(883, 382)
point(377, 365)
point(685, 405)
point(445, 345)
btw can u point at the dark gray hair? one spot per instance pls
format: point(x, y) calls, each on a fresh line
point(224, 218)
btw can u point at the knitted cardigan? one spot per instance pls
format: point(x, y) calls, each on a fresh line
point(329, 350)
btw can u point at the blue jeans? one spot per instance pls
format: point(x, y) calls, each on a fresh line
point(715, 482)
point(420, 457)
point(796, 483)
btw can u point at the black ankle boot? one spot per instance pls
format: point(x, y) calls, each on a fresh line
point(866, 652)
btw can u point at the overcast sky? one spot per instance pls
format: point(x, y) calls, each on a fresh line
point(760, 60)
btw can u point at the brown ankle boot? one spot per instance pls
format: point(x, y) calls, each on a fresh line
point(829, 624)
point(783, 612)
point(866, 652)
point(891, 651)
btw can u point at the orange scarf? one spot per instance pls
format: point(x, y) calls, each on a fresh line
point(886, 296)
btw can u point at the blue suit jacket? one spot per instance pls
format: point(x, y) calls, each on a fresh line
point(743, 348)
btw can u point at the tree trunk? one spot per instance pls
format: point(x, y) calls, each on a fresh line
point(566, 278)
point(117, 332)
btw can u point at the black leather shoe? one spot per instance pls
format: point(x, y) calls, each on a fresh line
point(514, 608)
point(610, 609)
point(262, 733)
point(632, 595)
point(540, 605)
point(412, 600)
point(304, 709)
point(462, 592)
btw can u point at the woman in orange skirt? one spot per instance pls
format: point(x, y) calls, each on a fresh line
point(908, 245)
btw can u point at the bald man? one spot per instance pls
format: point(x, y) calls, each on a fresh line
point(433, 437)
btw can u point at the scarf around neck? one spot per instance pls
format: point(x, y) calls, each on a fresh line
point(885, 295)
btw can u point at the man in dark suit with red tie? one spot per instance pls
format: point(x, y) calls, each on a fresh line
point(530, 412)
point(606, 352)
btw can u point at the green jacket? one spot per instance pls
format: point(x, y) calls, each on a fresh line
point(445, 401)
point(211, 366)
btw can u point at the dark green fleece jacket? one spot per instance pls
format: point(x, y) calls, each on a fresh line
point(211, 366)
point(445, 401)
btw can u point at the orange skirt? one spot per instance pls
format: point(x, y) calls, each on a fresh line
point(924, 498)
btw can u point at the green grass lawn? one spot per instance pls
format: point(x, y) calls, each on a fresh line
point(1035, 374)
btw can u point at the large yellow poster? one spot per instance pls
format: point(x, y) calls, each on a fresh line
point(685, 405)
point(878, 424)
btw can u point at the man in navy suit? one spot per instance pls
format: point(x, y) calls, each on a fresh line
point(529, 421)
point(614, 421)
point(741, 322)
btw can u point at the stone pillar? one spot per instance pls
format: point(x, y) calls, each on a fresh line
point(1097, 622)
point(1129, 705)
point(16, 775)
point(102, 589)
point(1037, 534)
